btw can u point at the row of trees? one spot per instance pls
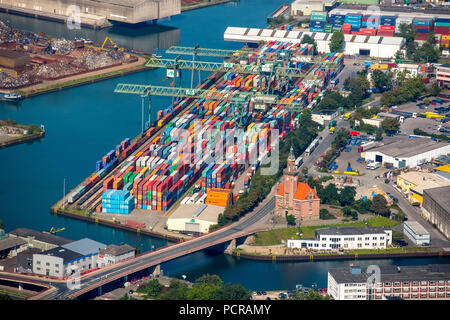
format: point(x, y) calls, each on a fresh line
point(340, 140)
point(408, 90)
point(262, 184)
point(424, 53)
point(207, 287)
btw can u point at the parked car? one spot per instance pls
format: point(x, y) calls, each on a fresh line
point(401, 243)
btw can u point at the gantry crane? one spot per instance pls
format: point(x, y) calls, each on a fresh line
point(239, 99)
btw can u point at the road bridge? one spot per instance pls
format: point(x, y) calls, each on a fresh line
point(91, 284)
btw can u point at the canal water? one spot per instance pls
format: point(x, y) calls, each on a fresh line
point(85, 122)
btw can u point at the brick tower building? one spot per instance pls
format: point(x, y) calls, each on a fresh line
point(294, 197)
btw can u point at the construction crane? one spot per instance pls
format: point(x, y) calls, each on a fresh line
point(53, 230)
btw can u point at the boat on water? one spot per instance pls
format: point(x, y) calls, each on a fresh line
point(10, 97)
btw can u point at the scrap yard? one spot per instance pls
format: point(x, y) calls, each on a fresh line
point(258, 92)
point(32, 63)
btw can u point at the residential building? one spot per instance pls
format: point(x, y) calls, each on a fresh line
point(416, 232)
point(405, 282)
point(194, 218)
point(347, 238)
point(405, 152)
point(11, 246)
point(436, 207)
point(294, 197)
point(443, 75)
point(40, 240)
point(113, 254)
point(413, 184)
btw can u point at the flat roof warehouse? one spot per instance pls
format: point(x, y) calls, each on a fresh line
point(408, 147)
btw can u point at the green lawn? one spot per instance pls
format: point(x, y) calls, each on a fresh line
point(274, 237)
point(382, 222)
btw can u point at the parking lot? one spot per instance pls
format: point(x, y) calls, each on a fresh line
point(428, 125)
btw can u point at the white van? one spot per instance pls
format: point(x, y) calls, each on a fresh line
point(373, 165)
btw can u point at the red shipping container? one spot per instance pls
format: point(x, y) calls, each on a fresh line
point(386, 28)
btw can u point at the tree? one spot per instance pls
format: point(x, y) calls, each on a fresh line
point(362, 206)
point(290, 219)
point(347, 196)
point(435, 90)
point(379, 134)
point(178, 291)
point(337, 42)
point(1, 224)
point(379, 205)
point(151, 289)
point(234, 292)
point(399, 55)
point(329, 194)
point(4, 296)
point(407, 31)
point(347, 211)
point(305, 170)
point(307, 39)
point(390, 125)
point(381, 80)
point(311, 295)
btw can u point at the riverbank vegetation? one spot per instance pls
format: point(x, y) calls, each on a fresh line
point(207, 287)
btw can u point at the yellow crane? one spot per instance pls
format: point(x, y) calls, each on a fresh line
point(53, 230)
point(115, 46)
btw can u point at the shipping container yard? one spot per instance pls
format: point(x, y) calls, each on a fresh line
point(188, 145)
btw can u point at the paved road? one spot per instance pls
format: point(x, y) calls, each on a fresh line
point(154, 258)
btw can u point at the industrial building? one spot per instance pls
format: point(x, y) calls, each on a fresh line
point(405, 282)
point(194, 218)
point(414, 183)
point(374, 46)
point(39, 240)
point(347, 238)
point(305, 7)
point(376, 122)
point(323, 116)
point(436, 207)
point(443, 75)
point(13, 59)
point(405, 152)
point(11, 246)
point(97, 13)
point(62, 261)
point(416, 233)
point(114, 253)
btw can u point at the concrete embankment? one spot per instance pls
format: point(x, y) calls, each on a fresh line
point(21, 139)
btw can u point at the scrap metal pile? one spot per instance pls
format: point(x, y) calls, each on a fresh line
point(52, 58)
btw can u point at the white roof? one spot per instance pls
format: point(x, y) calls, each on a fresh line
point(280, 33)
point(392, 40)
point(293, 34)
point(360, 39)
point(253, 32)
point(235, 30)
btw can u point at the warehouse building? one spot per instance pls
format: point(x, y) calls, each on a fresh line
point(405, 152)
point(347, 238)
point(305, 7)
point(13, 59)
point(194, 218)
point(416, 233)
point(94, 12)
point(39, 240)
point(374, 46)
point(414, 183)
point(11, 246)
point(405, 282)
point(436, 207)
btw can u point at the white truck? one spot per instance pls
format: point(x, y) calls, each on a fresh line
point(373, 165)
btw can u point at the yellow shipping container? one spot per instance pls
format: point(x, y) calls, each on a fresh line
point(139, 196)
point(160, 123)
point(445, 37)
point(139, 154)
point(250, 126)
point(143, 170)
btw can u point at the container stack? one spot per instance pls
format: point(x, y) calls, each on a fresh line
point(318, 21)
point(445, 41)
point(423, 25)
point(354, 20)
point(219, 197)
point(346, 28)
point(117, 201)
point(387, 26)
point(442, 26)
point(337, 20)
point(370, 21)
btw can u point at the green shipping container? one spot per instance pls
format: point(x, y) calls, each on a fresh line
point(126, 177)
point(442, 24)
point(318, 18)
point(319, 13)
